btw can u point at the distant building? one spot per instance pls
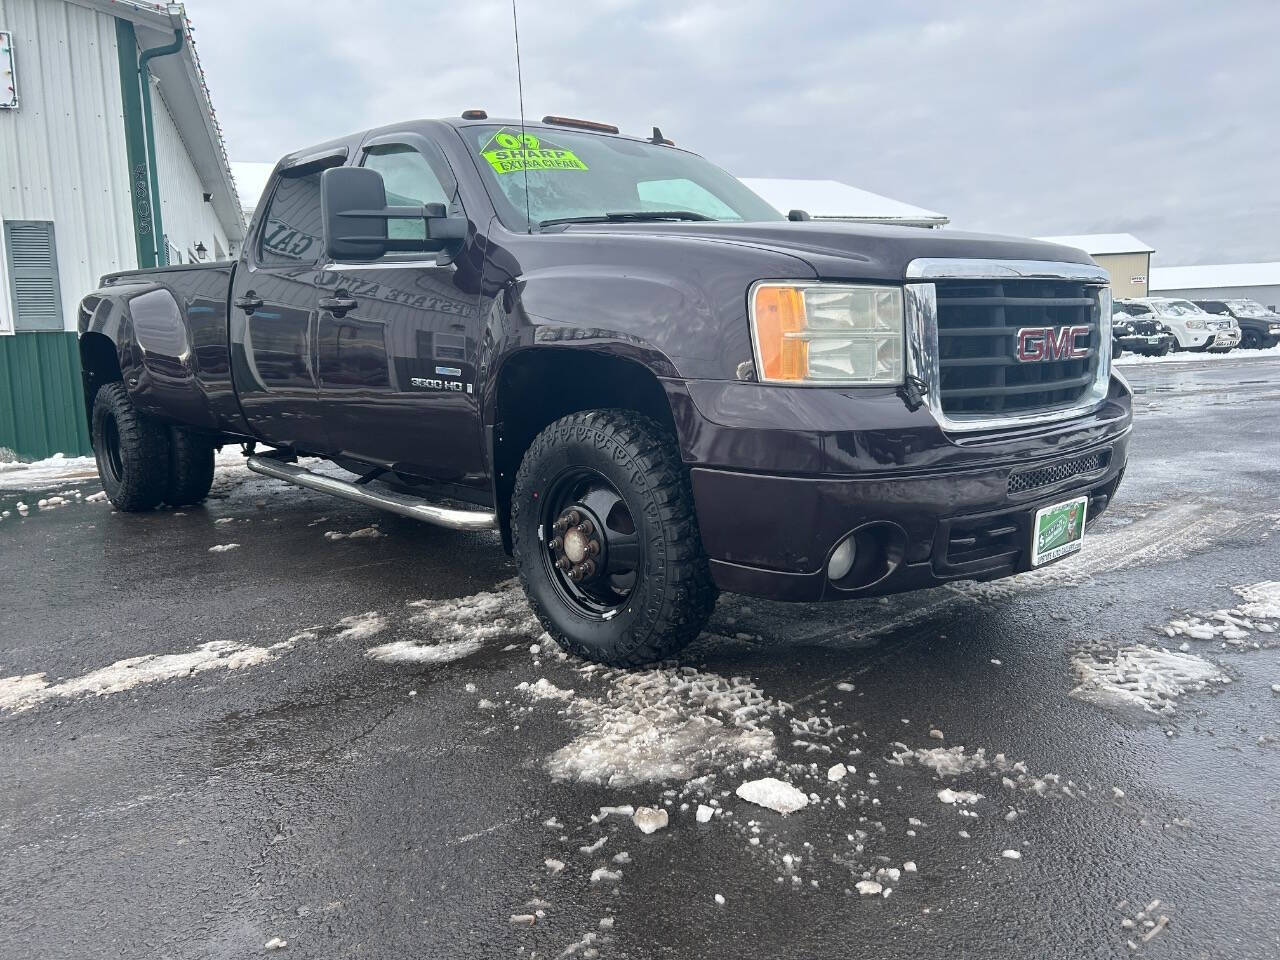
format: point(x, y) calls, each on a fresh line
point(1126, 258)
point(833, 200)
point(110, 159)
point(1220, 281)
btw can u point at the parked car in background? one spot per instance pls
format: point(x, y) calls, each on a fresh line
point(1193, 329)
point(1259, 327)
point(1136, 329)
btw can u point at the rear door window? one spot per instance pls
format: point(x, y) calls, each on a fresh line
point(292, 228)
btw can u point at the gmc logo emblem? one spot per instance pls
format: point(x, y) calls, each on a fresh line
point(1052, 343)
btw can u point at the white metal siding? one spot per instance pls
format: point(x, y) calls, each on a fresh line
point(186, 218)
point(62, 152)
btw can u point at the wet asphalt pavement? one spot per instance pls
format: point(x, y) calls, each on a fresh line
point(363, 807)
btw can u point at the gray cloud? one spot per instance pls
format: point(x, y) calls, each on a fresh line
point(1152, 117)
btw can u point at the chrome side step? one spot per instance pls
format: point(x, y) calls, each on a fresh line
point(390, 500)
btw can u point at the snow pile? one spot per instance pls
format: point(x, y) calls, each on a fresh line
point(667, 724)
point(1141, 677)
point(774, 794)
point(1130, 359)
point(26, 691)
point(501, 614)
point(406, 651)
point(224, 547)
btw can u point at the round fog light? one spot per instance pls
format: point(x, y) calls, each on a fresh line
point(842, 558)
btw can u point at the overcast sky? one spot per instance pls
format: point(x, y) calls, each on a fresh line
point(1082, 116)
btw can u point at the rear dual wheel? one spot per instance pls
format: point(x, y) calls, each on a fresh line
point(143, 463)
point(606, 541)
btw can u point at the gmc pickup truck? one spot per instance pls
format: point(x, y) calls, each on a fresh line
point(649, 382)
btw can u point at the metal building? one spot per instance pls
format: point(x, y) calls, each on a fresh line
point(1220, 281)
point(110, 158)
point(833, 200)
point(1126, 258)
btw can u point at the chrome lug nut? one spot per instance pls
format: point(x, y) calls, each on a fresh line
point(556, 543)
point(563, 564)
point(585, 528)
point(588, 568)
point(593, 548)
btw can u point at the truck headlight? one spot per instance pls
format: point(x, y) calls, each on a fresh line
point(1194, 324)
point(827, 333)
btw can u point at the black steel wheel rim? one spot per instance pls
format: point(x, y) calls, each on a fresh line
point(589, 543)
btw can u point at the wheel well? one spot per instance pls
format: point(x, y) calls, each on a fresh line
point(537, 387)
point(98, 365)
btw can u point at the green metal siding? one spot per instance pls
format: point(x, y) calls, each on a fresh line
point(42, 396)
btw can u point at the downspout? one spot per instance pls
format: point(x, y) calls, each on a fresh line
point(144, 78)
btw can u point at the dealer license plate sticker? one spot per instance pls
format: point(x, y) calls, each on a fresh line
point(1058, 530)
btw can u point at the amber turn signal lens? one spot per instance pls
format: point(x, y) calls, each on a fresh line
point(779, 311)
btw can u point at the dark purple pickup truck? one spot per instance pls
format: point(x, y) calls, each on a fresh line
point(652, 384)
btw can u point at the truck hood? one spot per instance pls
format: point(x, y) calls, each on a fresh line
point(851, 251)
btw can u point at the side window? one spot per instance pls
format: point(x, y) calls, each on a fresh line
point(410, 181)
point(292, 228)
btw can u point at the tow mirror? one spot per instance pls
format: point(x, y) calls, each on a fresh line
point(354, 211)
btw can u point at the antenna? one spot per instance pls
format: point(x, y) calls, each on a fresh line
point(524, 147)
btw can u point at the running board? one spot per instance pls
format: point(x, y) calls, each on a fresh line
point(393, 502)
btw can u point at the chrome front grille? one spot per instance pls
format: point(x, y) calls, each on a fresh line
point(1000, 343)
point(979, 322)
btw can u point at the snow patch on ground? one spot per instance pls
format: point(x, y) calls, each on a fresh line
point(500, 614)
point(223, 547)
point(365, 533)
point(360, 626)
point(406, 651)
point(1261, 600)
point(50, 472)
point(23, 692)
point(944, 761)
point(1137, 360)
point(544, 689)
point(1141, 677)
point(665, 724)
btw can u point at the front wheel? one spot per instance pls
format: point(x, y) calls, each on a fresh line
point(606, 539)
point(1250, 340)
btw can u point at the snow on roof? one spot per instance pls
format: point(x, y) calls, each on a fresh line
point(1215, 275)
point(251, 179)
point(831, 199)
point(1101, 244)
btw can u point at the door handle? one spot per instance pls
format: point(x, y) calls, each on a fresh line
point(249, 302)
point(338, 305)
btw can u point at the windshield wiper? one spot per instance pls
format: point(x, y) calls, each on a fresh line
point(630, 216)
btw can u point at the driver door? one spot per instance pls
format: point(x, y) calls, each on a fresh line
point(398, 338)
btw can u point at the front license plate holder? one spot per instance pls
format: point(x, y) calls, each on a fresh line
point(1058, 530)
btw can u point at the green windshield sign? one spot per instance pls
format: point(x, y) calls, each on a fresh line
point(516, 152)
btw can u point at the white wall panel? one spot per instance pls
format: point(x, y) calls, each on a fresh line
point(186, 217)
point(62, 153)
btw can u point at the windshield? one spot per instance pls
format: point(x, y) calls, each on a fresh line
point(1134, 309)
point(1180, 308)
point(582, 175)
point(1247, 308)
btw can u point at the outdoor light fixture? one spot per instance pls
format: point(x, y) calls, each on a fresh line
point(201, 249)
